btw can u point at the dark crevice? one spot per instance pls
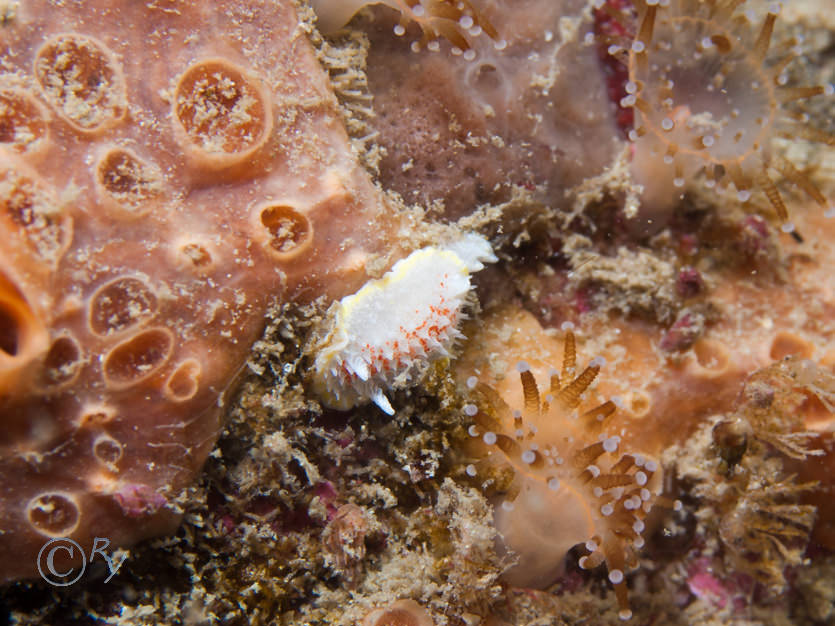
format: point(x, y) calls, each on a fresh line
point(9, 332)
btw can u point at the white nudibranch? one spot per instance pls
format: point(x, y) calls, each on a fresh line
point(410, 316)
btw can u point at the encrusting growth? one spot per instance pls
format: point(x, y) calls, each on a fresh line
point(741, 468)
point(570, 480)
point(706, 99)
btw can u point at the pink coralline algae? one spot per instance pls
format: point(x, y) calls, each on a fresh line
point(689, 282)
point(683, 333)
point(705, 584)
point(138, 500)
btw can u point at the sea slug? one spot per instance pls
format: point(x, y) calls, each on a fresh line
point(384, 331)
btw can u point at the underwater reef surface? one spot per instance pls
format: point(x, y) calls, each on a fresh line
point(417, 312)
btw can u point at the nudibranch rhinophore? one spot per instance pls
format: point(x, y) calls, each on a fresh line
point(386, 330)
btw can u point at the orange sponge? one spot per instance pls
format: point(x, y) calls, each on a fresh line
point(166, 170)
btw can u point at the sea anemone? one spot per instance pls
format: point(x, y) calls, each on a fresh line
point(454, 20)
point(706, 99)
point(561, 476)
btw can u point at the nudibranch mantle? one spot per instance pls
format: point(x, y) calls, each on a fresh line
point(386, 329)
